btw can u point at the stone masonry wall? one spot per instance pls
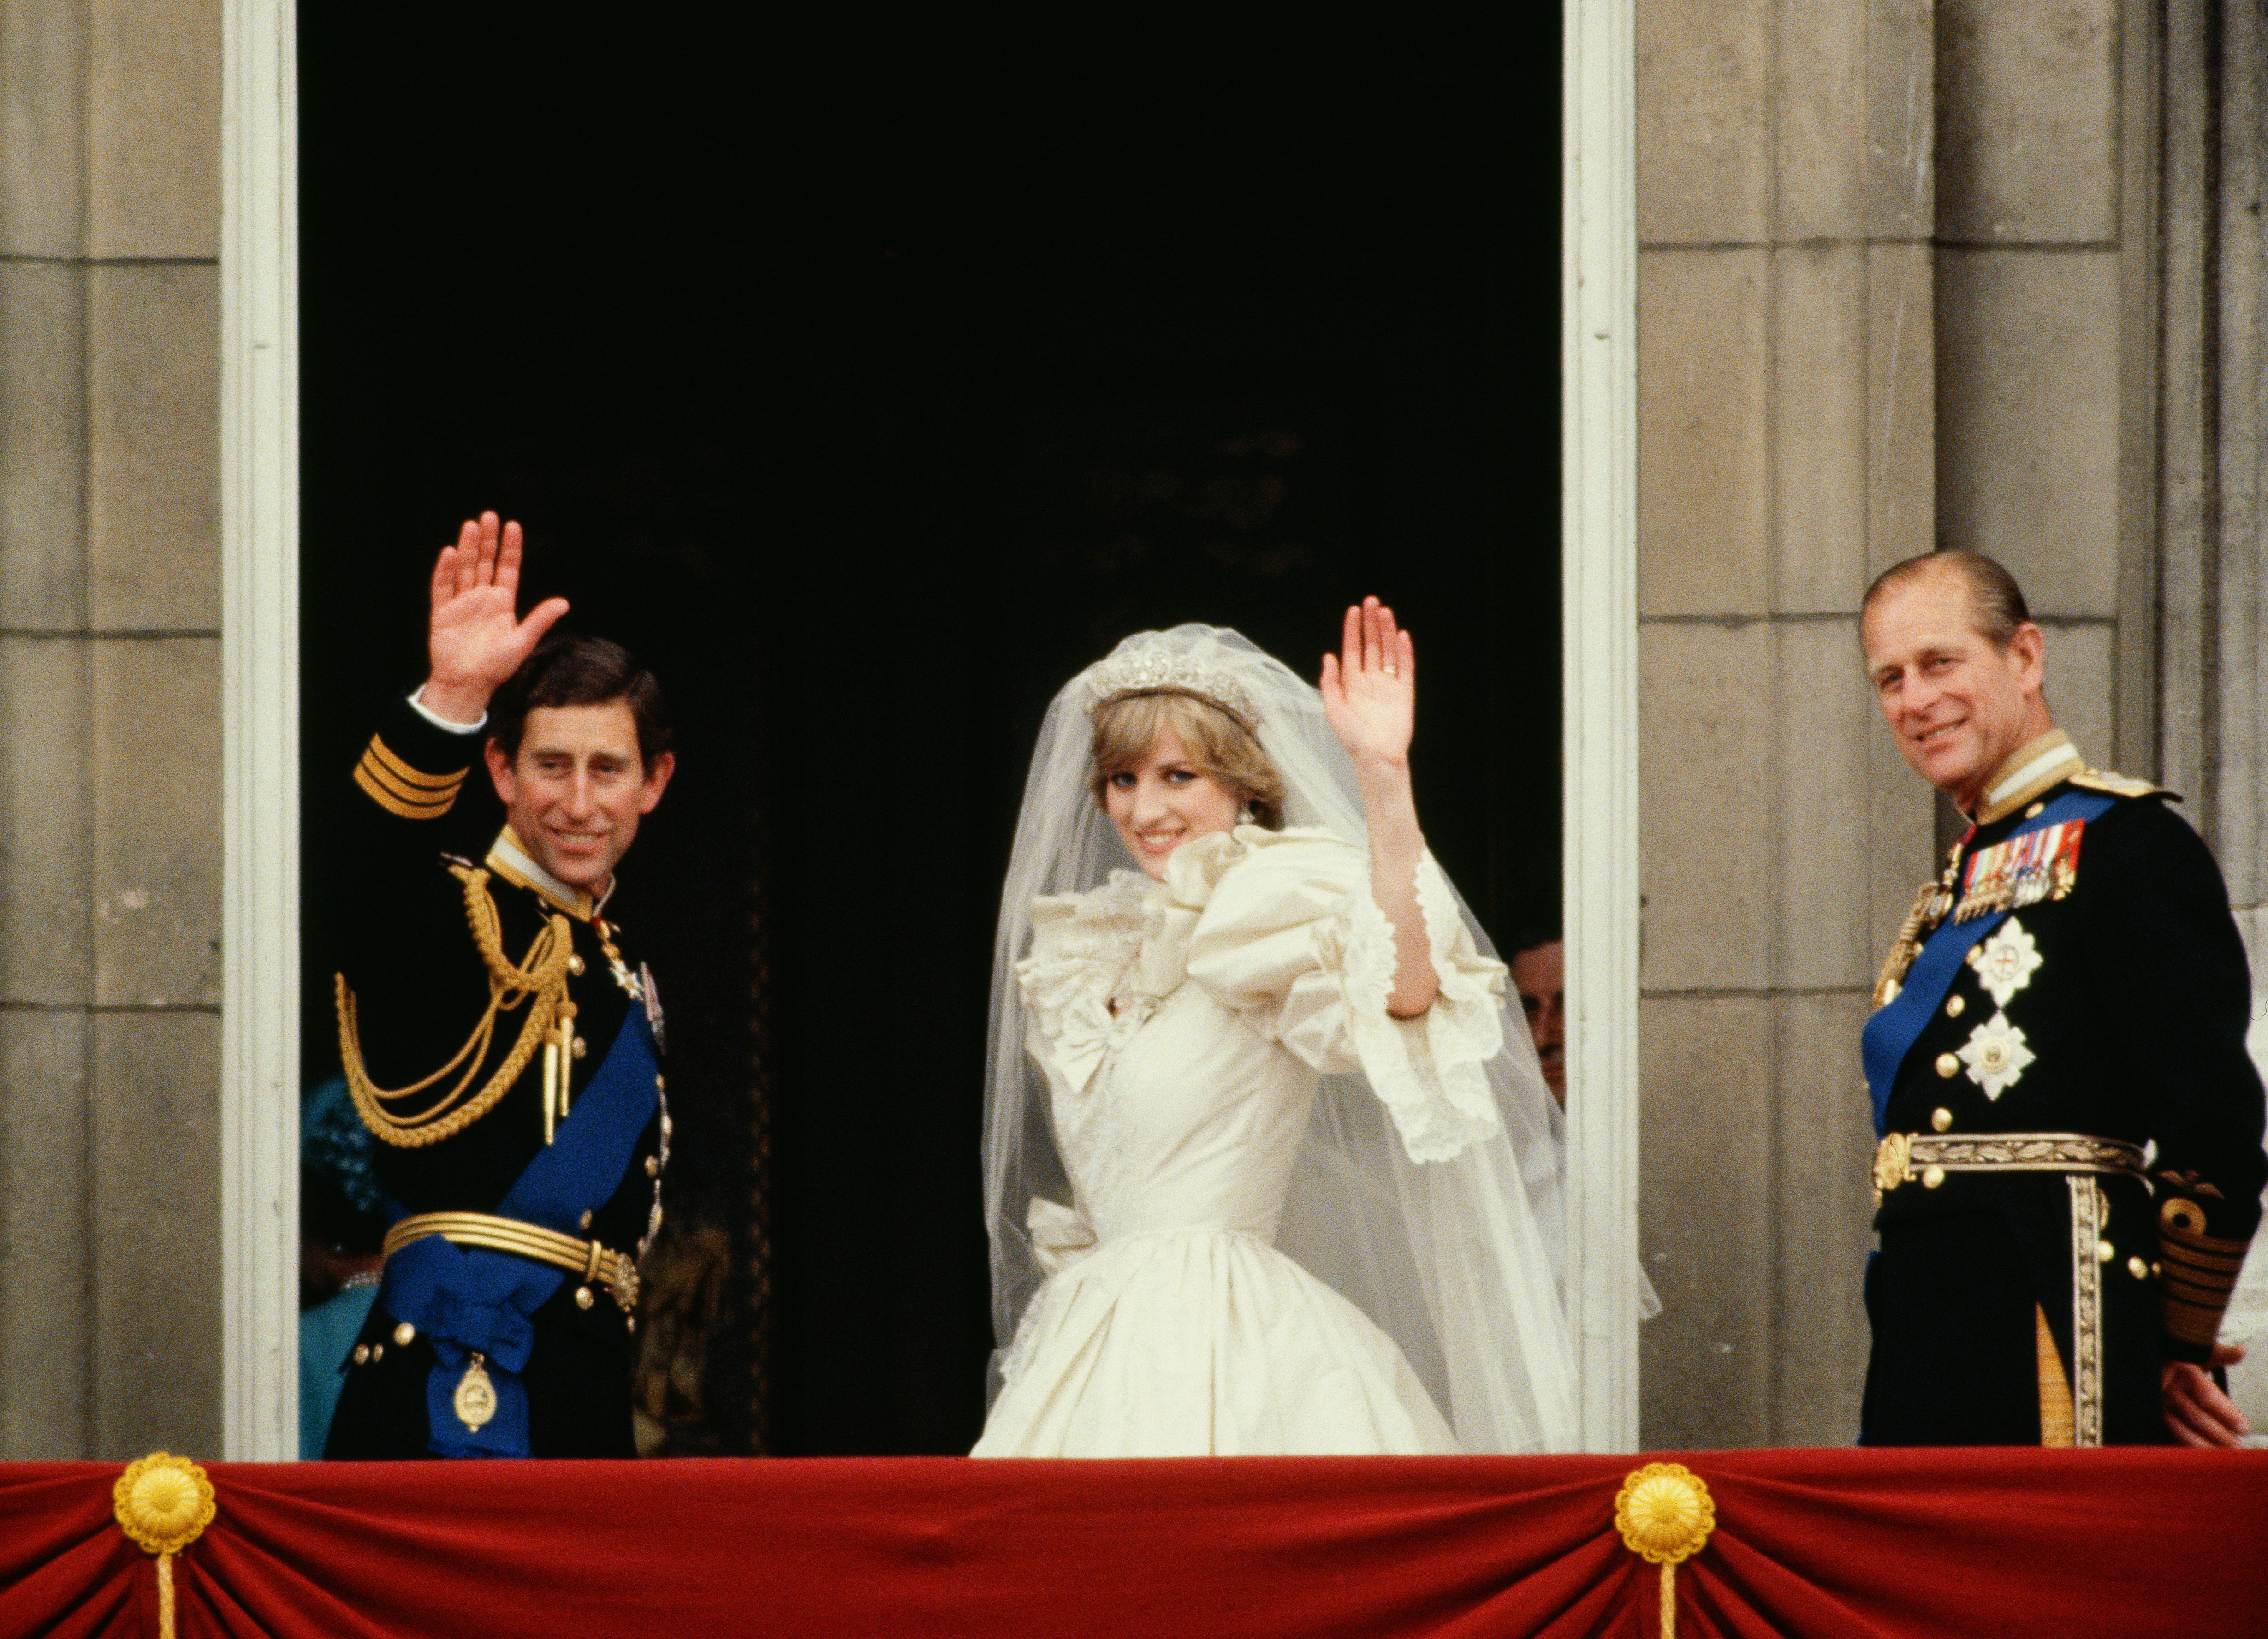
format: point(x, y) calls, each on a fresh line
point(1900, 284)
point(1880, 306)
point(110, 847)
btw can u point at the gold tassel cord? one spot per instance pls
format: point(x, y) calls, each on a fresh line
point(163, 1503)
point(1665, 1514)
point(539, 982)
point(1904, 948)
point(558, 1067)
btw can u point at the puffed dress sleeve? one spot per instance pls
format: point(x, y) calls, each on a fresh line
point(1283, 931)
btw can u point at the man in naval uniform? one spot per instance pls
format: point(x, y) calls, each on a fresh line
point(499, 1041)
point(2070, 1165)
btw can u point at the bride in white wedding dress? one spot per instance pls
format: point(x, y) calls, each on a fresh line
point(1267, 1169)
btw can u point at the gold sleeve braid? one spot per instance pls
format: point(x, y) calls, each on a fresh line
point(400, 790)
point(539, 982)
point(2199, 1272)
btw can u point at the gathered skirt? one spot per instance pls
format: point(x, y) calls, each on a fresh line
point(1203, 1343)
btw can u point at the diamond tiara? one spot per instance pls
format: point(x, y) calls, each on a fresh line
point(1158, 671)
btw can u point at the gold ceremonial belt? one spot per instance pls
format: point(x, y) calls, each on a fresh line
point(1903, 1157)
point(584, 1258)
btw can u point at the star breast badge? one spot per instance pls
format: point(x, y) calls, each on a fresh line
point(1996, 1055)
point(2005, 962)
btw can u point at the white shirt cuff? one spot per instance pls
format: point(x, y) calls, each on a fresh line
point(417, 705)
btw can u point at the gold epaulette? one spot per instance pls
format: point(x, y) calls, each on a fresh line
point(2119, 784)
point(539, 982)
point(406, 792)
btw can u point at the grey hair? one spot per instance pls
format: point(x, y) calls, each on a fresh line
point(1996, 603)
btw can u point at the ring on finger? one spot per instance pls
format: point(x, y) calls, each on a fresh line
point(1390, 669)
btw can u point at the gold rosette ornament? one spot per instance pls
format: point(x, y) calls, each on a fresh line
point(163, 1503)
point(1665, 1514)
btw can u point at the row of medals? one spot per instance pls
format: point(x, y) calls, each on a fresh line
point(2002, 889)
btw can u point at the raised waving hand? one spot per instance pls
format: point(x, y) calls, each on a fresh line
point(476, 638)
point(1370, 697)
point(1370, 687)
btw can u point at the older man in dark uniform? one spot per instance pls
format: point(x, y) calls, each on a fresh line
point(2070, 1166)
point(499, 1040)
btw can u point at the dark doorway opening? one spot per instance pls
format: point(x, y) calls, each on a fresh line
point(868, 373)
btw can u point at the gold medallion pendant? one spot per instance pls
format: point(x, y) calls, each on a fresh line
point(475, 1402)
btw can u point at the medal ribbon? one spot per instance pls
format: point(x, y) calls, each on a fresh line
point(1891, 1033)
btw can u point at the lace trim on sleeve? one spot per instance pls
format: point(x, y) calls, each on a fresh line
point(1429, 1071)
point(1474, 984)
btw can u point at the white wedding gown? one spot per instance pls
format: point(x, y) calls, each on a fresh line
point(1182, 1027)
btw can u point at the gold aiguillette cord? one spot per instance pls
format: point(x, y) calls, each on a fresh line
point(559, 1065)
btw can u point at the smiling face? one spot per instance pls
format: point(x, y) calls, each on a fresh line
point(1164, 799)
point(1958, 703)
point(576, 790)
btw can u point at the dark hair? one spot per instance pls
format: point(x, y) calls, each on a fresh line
point(1530, 936)
point(1996, 603)
point(568, 669)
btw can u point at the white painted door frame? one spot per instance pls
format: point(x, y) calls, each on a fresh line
point(260, 648)
point(1598, 456)
point(260, 735)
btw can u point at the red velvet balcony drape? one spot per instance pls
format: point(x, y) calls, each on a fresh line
point(2005, 1543)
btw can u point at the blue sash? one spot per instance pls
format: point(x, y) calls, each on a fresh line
point(1893, 1028)
point(467, 1298)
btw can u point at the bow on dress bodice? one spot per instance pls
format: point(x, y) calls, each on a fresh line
point(1182, 1027)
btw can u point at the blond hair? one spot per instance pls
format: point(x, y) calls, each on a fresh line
point(1217, 743)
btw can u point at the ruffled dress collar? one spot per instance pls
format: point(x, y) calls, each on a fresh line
point(1101, 961)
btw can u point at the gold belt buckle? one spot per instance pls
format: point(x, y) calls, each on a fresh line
point(1893, 1164)
point(615, 1271)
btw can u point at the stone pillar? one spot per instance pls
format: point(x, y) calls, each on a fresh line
point(2074, 242)
point(2211, 555)
point(2211, 689)
point(110, 845)
point(2031, 354)
point(1787, 406)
